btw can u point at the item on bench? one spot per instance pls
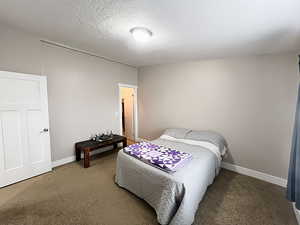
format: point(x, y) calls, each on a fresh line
point(102, 137)
point(105, 137)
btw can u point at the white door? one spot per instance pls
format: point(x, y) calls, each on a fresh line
point(24, 123)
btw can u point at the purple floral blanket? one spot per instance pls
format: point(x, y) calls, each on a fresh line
point(166, 159)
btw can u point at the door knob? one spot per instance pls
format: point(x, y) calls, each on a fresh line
point(45, 130)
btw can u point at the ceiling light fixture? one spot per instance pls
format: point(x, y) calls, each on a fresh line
point(141, 34)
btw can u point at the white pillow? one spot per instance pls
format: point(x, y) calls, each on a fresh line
point(177, 132)
point(208, 145)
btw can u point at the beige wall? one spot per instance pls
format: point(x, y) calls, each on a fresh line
point(82, 90)
point(19, 52)
point(127, 95)
point(250, 100)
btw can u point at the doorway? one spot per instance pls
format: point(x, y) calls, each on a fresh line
point(128, 111)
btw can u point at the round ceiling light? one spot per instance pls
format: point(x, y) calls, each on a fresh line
point(141, 34)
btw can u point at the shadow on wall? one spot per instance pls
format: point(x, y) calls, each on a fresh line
point(228, 157)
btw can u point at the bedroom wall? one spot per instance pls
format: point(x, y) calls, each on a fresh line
point(82, 90)
point(250, 100)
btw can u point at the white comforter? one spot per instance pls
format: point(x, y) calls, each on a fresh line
point(175, 197)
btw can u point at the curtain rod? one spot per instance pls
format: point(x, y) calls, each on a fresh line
point(84, 52)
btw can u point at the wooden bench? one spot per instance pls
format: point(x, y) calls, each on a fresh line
point(87, 146)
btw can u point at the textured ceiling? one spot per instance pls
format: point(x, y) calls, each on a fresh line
point(183, 30)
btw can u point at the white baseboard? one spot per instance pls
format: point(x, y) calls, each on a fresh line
point(297, 213)
point(70, 159)
point(249, 172)
point(141, 139)
point(256, 174)
point(238, 169)
point(64, 161)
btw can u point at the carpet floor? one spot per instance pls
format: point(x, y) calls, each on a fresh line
point(72, 195)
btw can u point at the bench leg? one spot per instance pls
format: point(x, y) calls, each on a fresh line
point(78, 154)
point(86, 158)
point(125, 143)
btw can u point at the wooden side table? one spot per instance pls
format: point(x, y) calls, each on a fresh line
point(90, 145)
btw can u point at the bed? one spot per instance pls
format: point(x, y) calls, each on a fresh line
point(174, 196)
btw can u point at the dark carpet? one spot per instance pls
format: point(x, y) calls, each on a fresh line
point(74, 195)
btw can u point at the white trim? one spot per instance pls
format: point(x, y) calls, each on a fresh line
point(135, 109)
point(64, 161)
point(297, 213)
point(141, 139)
point(70, 159)
point(22, 76)
point(48, 42)
point(256, 174)
point(249, 172)
point(45, 113)
point(238, 169)
point(127, 85)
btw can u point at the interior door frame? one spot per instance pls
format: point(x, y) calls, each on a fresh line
point(135, 111)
